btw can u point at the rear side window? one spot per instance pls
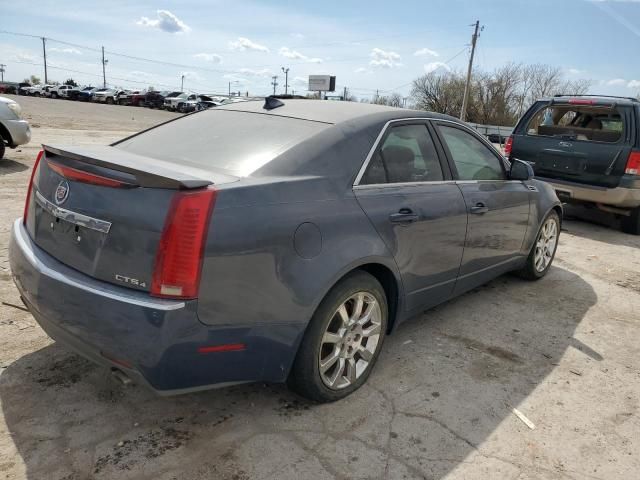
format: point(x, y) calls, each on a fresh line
point(407, 154)
point(237, 143)
point(578, 122)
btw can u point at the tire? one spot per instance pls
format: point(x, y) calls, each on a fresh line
point(631, 224)
point(54, 95)
point(532, 272)
point(2, 147)
point(109, 100)
point(360, 334)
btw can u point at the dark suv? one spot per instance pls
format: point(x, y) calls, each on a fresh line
point(588, 149)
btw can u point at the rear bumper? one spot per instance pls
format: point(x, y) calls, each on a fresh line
point(154, 341)
point(19, 130)
point(622, 197)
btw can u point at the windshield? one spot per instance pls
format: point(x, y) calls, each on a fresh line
point(237, 143)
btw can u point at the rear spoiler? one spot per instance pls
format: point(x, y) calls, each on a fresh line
point(148, 172)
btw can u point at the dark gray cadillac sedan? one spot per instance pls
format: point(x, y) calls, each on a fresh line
point(270, 241)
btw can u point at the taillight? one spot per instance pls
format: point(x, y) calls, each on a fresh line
point(86, 177)
point(581, 101)
point(178, 264)
point(507, 147)
point(30, 188)
point(633, 164)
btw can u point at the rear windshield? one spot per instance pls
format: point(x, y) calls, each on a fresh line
point(237, 143)
point(577, 122)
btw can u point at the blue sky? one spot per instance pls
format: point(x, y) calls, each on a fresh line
point(368, 45)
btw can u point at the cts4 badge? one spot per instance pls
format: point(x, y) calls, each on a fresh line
point(62, 192)
point(130, 281)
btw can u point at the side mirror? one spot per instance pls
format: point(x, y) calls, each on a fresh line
point(520, 170)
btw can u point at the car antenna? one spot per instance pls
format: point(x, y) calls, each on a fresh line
point(271, 102)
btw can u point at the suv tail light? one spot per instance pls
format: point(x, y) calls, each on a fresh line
point(30, 188)
point(507, 147)
point(633, 163)
point(178, 263)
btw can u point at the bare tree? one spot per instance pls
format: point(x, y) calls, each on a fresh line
point(499, 97)
point(438, 92)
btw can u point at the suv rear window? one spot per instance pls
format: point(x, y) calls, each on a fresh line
point(578, 122)
point(237, 143)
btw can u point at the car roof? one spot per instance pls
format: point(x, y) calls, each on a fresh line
point(332, 112)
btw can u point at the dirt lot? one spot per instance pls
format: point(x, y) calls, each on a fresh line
point(563, 351)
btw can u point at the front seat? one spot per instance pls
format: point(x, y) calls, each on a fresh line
point(399, 162)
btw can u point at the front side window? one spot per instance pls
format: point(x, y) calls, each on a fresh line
point(473, 159)
point(407, 154)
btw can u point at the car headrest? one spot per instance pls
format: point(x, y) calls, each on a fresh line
point(400, 163)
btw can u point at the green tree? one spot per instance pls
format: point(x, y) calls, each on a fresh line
point(70, 81)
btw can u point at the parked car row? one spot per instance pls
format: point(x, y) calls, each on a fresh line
point(173, 101)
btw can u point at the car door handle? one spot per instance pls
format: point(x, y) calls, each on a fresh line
point(404, 215)
point(479, 208)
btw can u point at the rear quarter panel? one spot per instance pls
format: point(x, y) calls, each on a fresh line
point(542, 202)
point(259, 273)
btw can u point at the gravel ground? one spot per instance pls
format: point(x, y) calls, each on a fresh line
point(440, 404)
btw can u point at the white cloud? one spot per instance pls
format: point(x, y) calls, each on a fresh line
point(575, 71)
point(616, 82)
point(243, 44)
point(25, 57)
point(208, 57)
point(634, 84)
point(74, 51)
point(302, 81)
point(165, 21)
point(288, 53)
point(433, 66)
point(263, 72)
point(426, 51)
point(385, 59)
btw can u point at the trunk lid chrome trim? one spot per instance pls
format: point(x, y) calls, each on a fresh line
point(76, 218)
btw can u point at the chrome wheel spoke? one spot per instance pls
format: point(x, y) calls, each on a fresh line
point(545, 245)
point(374, 329)
point(329, 361)
point(351, 370)
point(365, 354)
point(344, 316)
point(330, 337)
point(338, 372)
point(357, 307)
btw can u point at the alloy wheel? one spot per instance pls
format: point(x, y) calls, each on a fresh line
point(546, 244)
point(350, 341)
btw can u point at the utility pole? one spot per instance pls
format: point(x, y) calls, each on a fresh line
point(274, 83)
point(344, 95)
point(2, 65)
point(182, 83)
point(286, 79)
point(467, 87)
point(44, 54)
point(104, 73)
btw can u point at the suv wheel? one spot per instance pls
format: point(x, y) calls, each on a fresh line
point(631, 224)
point(343, 340)
point(54, 95)
point(110, 100)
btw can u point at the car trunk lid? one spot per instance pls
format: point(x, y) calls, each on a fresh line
point(102, 210)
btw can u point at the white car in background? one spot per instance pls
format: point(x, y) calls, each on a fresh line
point(107, 95)
point(57, 91)
point(14, 130)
